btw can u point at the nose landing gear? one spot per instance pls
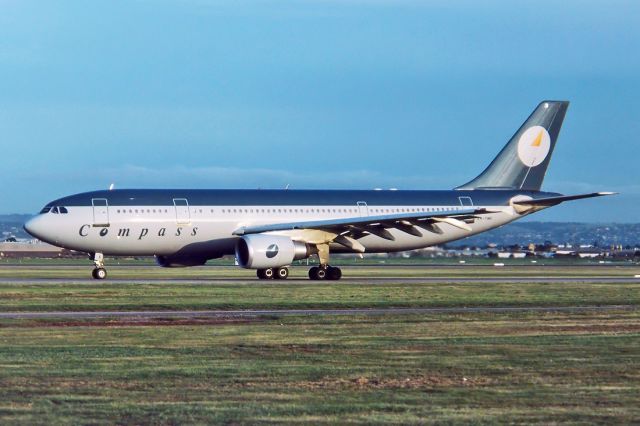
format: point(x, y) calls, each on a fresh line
point(99, 273)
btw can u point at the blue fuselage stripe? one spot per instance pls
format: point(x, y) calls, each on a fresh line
point(246, 197)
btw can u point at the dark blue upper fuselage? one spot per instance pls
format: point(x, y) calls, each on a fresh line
point(269, 197)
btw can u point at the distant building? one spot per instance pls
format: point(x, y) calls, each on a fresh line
point(34, 249)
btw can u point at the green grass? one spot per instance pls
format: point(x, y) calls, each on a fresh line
point(231, 291)
point(224, 268)
point(298, 296)
point(479, 368)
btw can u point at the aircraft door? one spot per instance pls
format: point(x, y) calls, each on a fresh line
point(100, 211)
point(182, 211)
point(465, 201)
point(363, 209)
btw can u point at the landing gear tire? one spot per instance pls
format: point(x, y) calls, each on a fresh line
point(334, 273)
point(265, 274)
point(325, 273)
point(316, 273)
point(99, 273)
point(313, 273)
point(281, 273)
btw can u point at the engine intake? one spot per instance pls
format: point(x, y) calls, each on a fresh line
point(270, 251)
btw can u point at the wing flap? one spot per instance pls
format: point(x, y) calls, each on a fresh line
point(372, 224)
point(453, 222)
point(350, 243)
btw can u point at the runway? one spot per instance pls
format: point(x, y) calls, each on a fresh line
point(345, 280)
point(303, 312)
point(215, 280)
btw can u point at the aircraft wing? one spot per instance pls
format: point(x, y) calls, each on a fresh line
point(552, 201)
point(347, 230)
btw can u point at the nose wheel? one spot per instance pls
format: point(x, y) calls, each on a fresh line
point(99, 273)
point(325, 273)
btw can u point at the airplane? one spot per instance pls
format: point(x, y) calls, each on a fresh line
point(267, 230)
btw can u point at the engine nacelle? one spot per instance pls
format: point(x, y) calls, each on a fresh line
point(270, 251)
point(179, 261)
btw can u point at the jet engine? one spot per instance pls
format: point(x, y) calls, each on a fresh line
point(179, 261)
point(270, 251)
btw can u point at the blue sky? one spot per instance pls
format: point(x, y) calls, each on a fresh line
point(315, 94)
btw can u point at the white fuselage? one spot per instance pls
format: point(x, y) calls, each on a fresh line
point(166, 230)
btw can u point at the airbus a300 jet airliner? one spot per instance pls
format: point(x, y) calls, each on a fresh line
point(268, 229)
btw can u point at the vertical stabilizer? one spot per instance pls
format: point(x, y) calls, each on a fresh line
point(523, 162)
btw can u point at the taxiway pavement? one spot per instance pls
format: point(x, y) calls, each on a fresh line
point(346, 280)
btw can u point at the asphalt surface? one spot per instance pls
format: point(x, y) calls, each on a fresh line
point(346, 280)
point(310, 312)
point(471, 264)
point(313, 312)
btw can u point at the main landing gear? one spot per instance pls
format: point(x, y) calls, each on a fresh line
point(99, 273)
point(316, 273)
point(273, 273)
point(325, 272)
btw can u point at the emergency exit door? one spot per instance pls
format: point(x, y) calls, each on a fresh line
point(182, 211)
point(100, 211)
point(363, 209)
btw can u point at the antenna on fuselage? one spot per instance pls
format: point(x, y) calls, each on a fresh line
point(287, 187)
point(111, 187)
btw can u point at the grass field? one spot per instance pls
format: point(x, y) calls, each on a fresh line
point(234, 288)
point(543, 368)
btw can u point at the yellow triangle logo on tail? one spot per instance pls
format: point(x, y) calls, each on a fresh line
point(538, 140)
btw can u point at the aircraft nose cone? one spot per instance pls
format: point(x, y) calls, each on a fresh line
point(34, 227)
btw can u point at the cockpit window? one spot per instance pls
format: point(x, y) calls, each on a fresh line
point(54, 210)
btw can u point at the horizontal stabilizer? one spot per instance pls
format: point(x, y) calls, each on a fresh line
point(552, 201)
